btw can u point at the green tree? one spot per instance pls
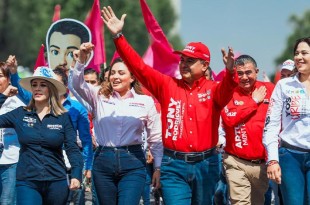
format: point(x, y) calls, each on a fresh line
point(301, 27)
point(24, 24)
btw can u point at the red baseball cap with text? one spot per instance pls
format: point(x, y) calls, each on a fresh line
point(196, 50)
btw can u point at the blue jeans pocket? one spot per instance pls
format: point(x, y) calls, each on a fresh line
point(166, 160)
point(282, 152)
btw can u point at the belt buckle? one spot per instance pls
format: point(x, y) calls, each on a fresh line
point(256, 161)
point(186, 158)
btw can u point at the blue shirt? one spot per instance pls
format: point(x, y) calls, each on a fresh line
point(80, 121)
point(41, 144)
point(78, 116)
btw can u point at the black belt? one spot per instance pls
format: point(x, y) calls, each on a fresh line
point(254, 161)
point(288, 146)
point(128, 148)
point(190, 156)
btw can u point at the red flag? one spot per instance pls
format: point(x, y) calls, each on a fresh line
point(220, 75)
point(95, 25)
point(159, 54)
point(56, 16)
point(115, 56)
point(41, 58)
point(277, 76)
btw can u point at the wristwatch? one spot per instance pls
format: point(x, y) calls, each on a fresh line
point(116, 36)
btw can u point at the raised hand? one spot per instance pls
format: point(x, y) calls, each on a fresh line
point(228, 58)
point(11, 63)
point(83, 53)
point(85, 50)
point(114, 24)
point(10, 91)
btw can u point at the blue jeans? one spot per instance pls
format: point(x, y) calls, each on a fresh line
point(7, 184)
point(148, 182)
point(42, 192)
point(94, 197)
point(295, 177)
point(221, 193)
point(119, 175)
point(189, 183)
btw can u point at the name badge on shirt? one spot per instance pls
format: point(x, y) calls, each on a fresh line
point(29, 121)
point(54, 127)
point(136, 104)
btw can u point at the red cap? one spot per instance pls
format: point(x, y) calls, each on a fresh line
point(196, 50)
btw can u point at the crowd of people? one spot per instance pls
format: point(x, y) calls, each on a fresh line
point(196, 140)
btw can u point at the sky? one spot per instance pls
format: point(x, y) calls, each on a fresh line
point(257, 28)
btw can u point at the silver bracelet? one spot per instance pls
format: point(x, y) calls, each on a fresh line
point(116, 36)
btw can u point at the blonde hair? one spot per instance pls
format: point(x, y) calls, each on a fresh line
point(54, 101)
point(106, 87)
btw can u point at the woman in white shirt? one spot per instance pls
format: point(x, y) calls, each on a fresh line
point(121, 113)
point(288, 118)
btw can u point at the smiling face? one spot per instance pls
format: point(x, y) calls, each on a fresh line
point(191, 69)
point(247, 75)
point(121, 78)
point(302, 58)
point(40, 90)
point(61, 49)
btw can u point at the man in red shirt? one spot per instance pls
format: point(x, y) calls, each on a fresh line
point(243, 121)
point(190, 110)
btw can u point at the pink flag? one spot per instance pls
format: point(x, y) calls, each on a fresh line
point(159, 54)
point(56, 16)
point(41, 58)
point(95, 25)
point(115, 56)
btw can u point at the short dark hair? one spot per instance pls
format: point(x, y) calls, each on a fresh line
point(243, 59)
point(70, 27)
point(298, 41)
point(5, 70)
point(62, 73)
point(209, 69)
point(91, 71)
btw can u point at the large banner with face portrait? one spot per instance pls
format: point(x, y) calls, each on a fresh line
point(63, 37)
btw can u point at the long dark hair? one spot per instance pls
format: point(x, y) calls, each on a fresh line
point(106, 87)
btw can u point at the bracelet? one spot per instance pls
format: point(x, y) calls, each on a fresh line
point(272, 162)
point(156, 169)
point(116, 36)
